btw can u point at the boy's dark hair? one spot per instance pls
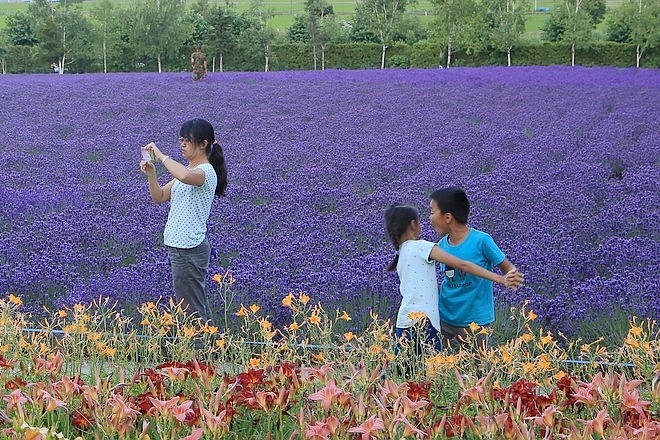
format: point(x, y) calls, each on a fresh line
point(454, 201)
point(397, 222)
point(199, 130)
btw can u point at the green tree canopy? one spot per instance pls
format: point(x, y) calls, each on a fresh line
point(636, 22)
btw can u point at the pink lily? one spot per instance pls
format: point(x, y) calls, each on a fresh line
point(369, 426)
point(327, 394)
point(215, 424)
point(599, 423)
point(195, 435)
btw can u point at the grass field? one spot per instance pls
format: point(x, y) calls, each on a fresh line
point(285, 10)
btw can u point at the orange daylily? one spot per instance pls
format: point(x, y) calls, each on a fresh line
point(345, 317)
point(15, 300)
point(288, 300)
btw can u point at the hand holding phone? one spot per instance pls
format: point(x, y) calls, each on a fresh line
point(146, 155)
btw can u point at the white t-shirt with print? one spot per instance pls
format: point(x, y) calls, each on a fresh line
point(190, 207)
point(418, 283)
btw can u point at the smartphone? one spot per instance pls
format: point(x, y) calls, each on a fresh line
point(146, 155)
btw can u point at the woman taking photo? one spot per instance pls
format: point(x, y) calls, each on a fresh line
point(190, 194)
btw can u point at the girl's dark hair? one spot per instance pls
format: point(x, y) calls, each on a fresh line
point(454, 201)
point(397, 222)
point(199, 130)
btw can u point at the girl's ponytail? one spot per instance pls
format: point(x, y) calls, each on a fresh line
point(397, 222)
point(394, 262)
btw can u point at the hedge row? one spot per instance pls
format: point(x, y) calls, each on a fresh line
point(424, 54)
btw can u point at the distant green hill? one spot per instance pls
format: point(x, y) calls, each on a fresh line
point(285, 10)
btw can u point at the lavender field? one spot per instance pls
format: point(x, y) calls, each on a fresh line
point(561, 165)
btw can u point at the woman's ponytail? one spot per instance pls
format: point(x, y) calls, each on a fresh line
point(217, 160)
point(200, 130)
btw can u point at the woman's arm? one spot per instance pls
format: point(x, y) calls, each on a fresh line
point(179, 171)
point(159, 194)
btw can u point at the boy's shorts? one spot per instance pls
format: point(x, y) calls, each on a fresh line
point(464, 335)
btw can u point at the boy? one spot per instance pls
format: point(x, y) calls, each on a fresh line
point(464, 298)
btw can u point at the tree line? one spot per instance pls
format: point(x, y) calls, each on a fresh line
point(157, 35)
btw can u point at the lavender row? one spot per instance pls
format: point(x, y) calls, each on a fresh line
point(561, 165)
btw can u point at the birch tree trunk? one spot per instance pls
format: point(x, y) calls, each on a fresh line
point(448, 54)
point(315, 55)
point(573, 55)
point(160, 66)
point(266, 57)
point(63, 47)
point(382, 57)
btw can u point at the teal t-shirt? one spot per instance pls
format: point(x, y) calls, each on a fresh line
point(466, 298)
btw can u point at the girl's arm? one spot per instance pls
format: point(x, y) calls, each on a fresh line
point(441, 256)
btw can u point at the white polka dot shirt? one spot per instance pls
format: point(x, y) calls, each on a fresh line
point(190, 207)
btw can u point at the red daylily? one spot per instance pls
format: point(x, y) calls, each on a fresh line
point(15, 383)
point(287, 369)
point(82, 420)
point(200, 369)
point(531, 404)
point(142, 402)
point(7, 363)
point(247, 379)
point(418, 391)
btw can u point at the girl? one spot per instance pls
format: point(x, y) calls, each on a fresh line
point(414, 262)
point(190, 194)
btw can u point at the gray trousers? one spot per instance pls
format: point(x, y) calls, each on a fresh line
point(189, 278)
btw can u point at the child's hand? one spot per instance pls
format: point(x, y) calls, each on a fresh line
point(514, 279)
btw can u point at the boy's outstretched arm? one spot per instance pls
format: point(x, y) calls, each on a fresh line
point(513, 277)
point(506, 266)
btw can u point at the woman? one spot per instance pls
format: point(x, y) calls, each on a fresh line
point(190, 193)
